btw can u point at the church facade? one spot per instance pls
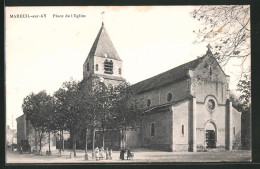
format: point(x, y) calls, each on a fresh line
point(187, 107)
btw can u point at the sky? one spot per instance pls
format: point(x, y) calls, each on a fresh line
point(44, 52)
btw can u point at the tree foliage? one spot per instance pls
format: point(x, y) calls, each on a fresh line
point(38, 109)
point(242, 102)
point(126, 107)
point(71, 109)
point(227, 29)
point(244, 86)
point(75, 108)
point(99, 100)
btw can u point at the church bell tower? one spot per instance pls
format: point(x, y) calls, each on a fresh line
point(103, 61)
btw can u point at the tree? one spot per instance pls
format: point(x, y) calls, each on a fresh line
point(126, 109)
point(99, 101)
point(244, 86)
point(51, 127)
point(227, 29)
point(37, 108)
point(242, 106)
point(71, 110)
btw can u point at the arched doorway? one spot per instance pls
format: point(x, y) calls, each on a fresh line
point(210, 135)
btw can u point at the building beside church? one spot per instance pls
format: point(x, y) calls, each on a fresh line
point(187, 107)
point(27, 138)
point(11, 136)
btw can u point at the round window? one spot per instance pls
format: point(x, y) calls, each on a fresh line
point(148, 102)
point(211, 104)
point(169, 97)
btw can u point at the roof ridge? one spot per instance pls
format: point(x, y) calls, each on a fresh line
point(171, 69)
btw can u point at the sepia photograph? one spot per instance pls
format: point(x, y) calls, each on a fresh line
point(127, 84)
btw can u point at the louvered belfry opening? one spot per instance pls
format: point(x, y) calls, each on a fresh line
point(108, 67)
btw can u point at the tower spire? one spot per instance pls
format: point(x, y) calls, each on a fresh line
point(102, 16)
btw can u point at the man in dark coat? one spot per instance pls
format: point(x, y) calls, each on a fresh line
point(122, 154)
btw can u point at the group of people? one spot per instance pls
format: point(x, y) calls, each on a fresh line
point(108, 152)
point(130, 155)
point(99, 154)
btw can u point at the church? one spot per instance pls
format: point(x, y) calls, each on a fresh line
point(187, 107)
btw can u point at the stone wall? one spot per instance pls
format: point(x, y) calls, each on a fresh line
point(209, 79)
point(180, 126)
point(236, 129)
point(179, 90)
point(162, 138)
point(133, 139)
point(87, 73)
point(21, 129)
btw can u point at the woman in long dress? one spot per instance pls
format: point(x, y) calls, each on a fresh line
point(97, 153)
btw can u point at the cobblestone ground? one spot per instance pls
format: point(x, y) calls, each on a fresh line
point(140, 156)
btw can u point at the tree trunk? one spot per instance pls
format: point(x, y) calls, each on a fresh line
point(125, 137)
point(121, 139)
point(49, 141)
point(74, 145)
point(62, 142)
point(40, 137)
point(103, 135)
point(93, 140)
point(103, 139)
point(86, 148)
point(93, 143)
point(36, 142)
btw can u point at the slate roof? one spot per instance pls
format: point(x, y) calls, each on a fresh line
point(103, 46)
point(170, 76)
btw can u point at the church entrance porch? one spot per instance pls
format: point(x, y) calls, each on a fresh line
point(210, 135)
point(210, 139)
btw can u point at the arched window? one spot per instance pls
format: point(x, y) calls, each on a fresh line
point(169, 97)
point(96, 67)
point(148, 103)
point(152, 129)
point(87, 66)
point(108, 67)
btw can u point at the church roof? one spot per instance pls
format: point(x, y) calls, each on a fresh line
point(170, 76)
point(103, 46)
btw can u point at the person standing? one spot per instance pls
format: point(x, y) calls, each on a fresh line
point(128, 153)
point(101, 153)
point(107, 155)
point(110, 154)
point(97, 154)
point(122, 154)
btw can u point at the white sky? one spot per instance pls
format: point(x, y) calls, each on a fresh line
point(42, 53)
